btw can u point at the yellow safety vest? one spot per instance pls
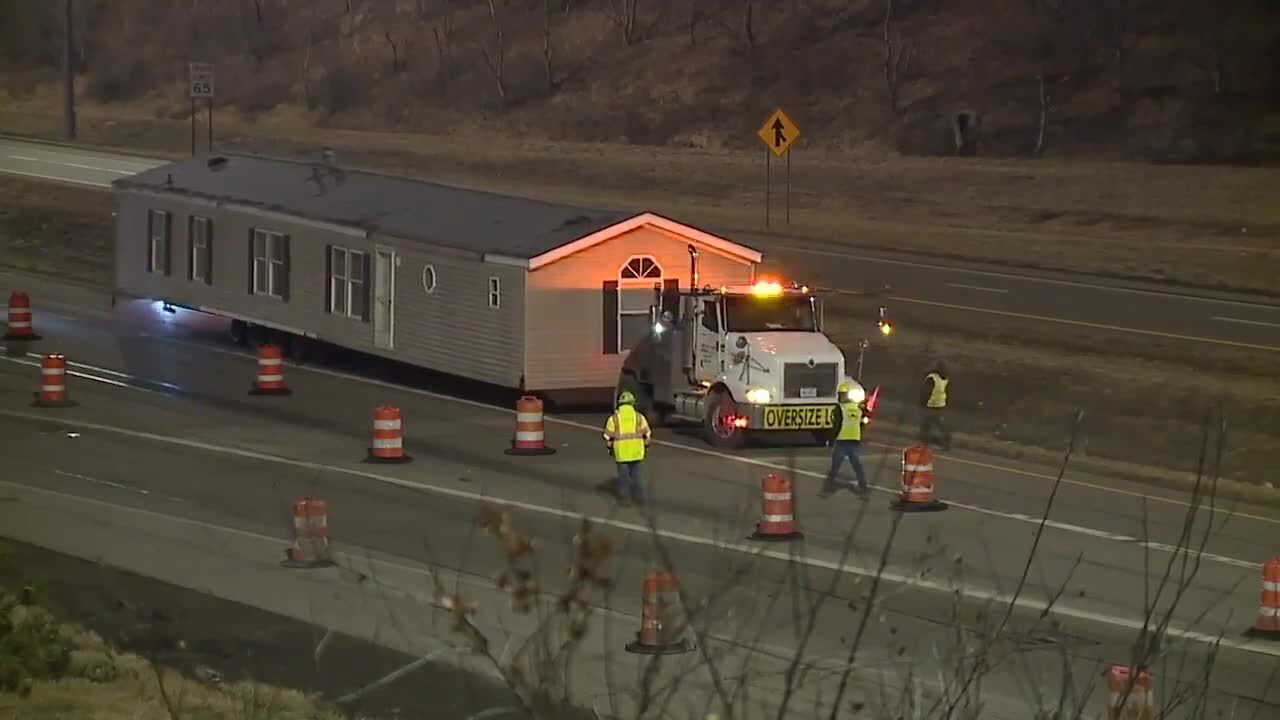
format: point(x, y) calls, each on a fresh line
point(938, 396)
point(851, 422)
point(629, 432)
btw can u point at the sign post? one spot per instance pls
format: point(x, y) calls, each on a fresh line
point(200, 86)
point(778, 134)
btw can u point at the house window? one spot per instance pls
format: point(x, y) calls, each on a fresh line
point(200, 234)
point(636, 281)
point(269, 253)
point(348, 285)
point(158, 255)
point(495, 293)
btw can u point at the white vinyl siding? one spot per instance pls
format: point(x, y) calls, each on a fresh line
point(348, 291)
point(158, 235)
point(200, 232)
point(270, 263)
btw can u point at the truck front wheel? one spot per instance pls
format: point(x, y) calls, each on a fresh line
point(718, 425)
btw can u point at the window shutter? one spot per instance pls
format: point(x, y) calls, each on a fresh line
point(288, 268)
point(609, 302)
point(250, 276)
point(328, 278)
point(671, 296)
point(191, 248)
point(168, 244)
point(208, 251)
point(151, 224)
point(368, 288)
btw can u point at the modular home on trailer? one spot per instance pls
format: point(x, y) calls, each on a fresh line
point(510, 291)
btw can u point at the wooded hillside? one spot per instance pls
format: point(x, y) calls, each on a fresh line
point(1184, 80)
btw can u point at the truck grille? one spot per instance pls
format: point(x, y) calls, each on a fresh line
point(801, 382)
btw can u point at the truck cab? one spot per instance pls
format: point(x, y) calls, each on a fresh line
point(737, 360)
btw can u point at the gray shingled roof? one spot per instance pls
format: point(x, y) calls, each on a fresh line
point(406, 208)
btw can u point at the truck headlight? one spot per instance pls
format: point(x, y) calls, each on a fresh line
point(759, 396)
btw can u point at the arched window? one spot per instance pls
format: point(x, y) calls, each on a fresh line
point(636, 279)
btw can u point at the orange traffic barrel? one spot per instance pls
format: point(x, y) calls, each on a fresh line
point(53, 382)
point(270, 380)
point(662, 621)
point(917, 482)
point(777, 510)
point(20, 326)
point(530, 433)
point(310, 535)
point(1130, 694)
point(388, 443)
point(1268, 624)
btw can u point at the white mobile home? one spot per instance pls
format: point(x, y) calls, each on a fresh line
point(511, 291)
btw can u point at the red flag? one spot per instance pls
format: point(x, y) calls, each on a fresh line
point(872, 399)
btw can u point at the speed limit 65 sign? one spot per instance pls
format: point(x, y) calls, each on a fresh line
point(201, 80)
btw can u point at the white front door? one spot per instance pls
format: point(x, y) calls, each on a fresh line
point(384, 290)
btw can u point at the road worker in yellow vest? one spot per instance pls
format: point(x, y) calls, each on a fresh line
point(849, 419)
point(627, 435)
point(933, 398)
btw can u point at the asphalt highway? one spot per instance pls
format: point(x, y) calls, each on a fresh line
point(1070, 302)
point(168, 424)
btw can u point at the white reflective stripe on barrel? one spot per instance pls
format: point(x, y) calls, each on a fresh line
point(270, 361)
point(269, 378)
point(523, 435)
point(910, 467)
point(1268, 612)
point(1270, 586)
point(386, 424)
point(19, 323)
point(52, 388)
point(777, 496)
point(386, 443)
point(53, 371)
point(776, 518)
point(528, 417)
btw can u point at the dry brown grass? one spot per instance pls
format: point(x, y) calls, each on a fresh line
point(105, 685)
point(56, 230)
point(665, 125)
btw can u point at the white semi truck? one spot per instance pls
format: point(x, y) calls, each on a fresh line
point(738, 360)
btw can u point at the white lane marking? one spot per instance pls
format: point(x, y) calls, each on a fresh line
point(1245, 322)
point(979, 288)
point(76, 373)
point(56, 178)
point(915, 579)
point(1031, 278)
point(115, 485)
point(80, 166)
point(758, 462)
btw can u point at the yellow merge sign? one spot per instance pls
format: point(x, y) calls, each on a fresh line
point(778, 132)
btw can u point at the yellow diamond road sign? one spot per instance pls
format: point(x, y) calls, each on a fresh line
point(778, 132)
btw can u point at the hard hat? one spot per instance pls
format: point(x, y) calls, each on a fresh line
point(626, 398)
point(851, 391)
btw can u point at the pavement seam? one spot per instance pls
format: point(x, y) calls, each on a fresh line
point(914, 580)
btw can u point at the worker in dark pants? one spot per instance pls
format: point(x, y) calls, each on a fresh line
point(933, 399)
point(848, 442)
point(627, 435)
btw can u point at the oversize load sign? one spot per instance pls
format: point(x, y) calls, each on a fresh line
point(799, 417)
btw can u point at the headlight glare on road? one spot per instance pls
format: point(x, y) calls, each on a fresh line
point(759, 396)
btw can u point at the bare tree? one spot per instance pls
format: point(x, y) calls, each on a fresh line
point(748, 24)
point(397, 63)
point(547, 50)
point(623, 15)
point(897, 56)
point(442, 31)
point(496, 59)
point(695, 16)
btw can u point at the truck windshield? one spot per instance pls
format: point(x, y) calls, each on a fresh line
point(750, 313)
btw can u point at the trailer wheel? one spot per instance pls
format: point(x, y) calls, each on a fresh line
point(718, 425)
point(239, 331)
